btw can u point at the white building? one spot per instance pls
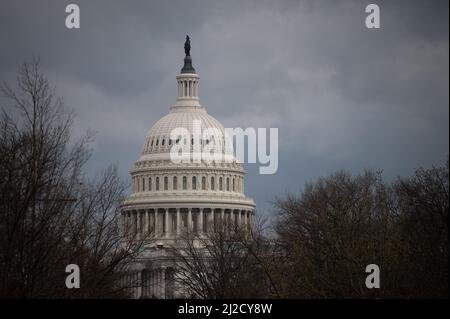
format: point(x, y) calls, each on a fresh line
point(169, 198)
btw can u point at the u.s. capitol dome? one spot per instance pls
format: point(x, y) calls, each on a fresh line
point(170, 197)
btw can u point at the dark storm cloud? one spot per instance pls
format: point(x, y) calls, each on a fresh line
point(341, 95)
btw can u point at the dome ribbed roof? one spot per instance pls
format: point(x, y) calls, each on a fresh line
point(159, 139)
point(183, 119)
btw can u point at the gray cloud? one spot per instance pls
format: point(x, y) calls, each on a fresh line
point(341, 95)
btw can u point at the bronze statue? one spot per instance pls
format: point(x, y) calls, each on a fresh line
point(187, 46)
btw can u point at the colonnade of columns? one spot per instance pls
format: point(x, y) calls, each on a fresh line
point(170, 222)
point(150, 283)
point(157, 283)
point(188, 88)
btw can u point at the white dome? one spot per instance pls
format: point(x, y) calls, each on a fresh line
point(207, 178)
point(192, 120)
point(183, 117)
point(173, 198)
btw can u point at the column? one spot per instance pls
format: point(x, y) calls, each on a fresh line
point(134, 224)
point(139, 219)
point(155, 213)
point(152, 283)
point(147, 223)
point(200, 222)
point(163, 282)
point(245, 221)
point(233, 219)
point(239, 220)
point(213, 220)
point(178, 222)
point(189, 220)
point(157, 283)
point(208, 220)
point(139, 284)
point(166, 221)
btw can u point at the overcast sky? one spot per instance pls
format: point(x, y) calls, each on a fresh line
point(341, 95)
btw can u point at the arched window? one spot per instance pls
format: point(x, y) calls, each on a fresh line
point(228, 184)
point(220, 183)
point(157, 184)
point(233, 184)
point(162, 143)
point(157, 142)
point(203, 183)
point(212, 183)
point(175, 183)
point(184, 182)
point(194, 182)
point(166, 183)
point(149, 183)
point(151, 143)
point(138, 185)
point(143, 184)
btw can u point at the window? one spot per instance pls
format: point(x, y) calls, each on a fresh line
point(143, 184)
point(175, 183)
point(157, 184)
point(203, 183)
point(157, 142)
point(212, 183)
point(220, 183)
point(162, 143)
point(149, 183)
point(228, 184)
point(151, 143)
point(184, 182)
point(170, 142)
point(194, 182)
point(233, 184)
point(166, 183)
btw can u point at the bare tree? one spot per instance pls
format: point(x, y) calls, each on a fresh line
point(331, 232)
point(341, 223)
point(50, 214)
point(225, 263)
point(423, 201)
